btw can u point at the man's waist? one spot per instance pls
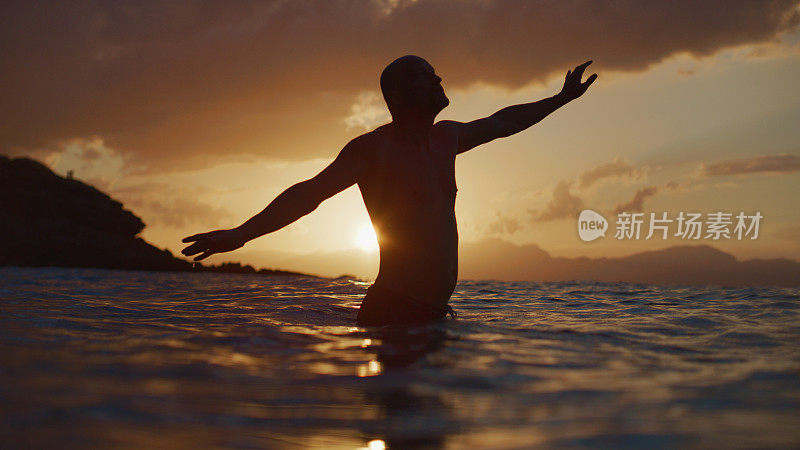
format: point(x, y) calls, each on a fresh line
point(433, 294)
point(384, 295)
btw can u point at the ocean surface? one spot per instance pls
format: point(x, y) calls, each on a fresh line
point(123, 359)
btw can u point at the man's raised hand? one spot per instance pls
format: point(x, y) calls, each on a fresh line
point(218, 241)
point(573, 87)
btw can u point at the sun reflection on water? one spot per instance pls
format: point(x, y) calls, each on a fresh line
point(377, 444)
point(370, 369)
point(263, 362)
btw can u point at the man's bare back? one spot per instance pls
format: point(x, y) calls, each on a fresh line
point(406, 173)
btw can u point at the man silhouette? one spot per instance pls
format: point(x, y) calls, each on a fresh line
point(406, 173)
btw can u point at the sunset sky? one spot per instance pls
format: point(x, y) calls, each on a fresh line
point(195, 115)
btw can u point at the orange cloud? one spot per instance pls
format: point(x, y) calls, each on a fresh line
point(563, 205)
point(170, 206)
point(783, 163)
point(504, 225)
point(617, 168)
point(637, 202)
point(187, 83)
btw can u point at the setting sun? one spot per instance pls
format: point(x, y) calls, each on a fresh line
point(366, 240)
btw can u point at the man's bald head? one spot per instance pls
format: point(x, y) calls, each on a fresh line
point(409, 82)
point(397, 70)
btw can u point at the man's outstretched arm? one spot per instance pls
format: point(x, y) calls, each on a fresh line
point(292, 204)
point(513, 119)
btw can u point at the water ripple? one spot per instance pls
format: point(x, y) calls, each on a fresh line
point(106, 358)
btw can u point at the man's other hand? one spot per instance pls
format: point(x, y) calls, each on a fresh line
point(573, 88)
point(218, 241)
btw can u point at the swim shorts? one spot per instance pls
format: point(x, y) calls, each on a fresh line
point(382, 306)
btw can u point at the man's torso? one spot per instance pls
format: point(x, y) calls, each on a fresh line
point(409, 191)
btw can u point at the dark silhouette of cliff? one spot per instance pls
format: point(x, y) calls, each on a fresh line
point(48, 220)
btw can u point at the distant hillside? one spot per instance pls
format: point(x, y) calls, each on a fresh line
point(696, 265)
point(47, 220)
point(497, 259)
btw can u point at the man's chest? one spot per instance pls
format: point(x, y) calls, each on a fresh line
point(421, 170)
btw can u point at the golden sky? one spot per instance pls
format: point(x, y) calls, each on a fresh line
point(196, 115)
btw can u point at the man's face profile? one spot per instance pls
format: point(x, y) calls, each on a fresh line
point(413, 85)
point(426, 86)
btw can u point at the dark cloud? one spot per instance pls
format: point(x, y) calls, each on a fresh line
point(618, 167)
point(783, 163)
point(563, 205)
point(637, 202)
point(186, 82)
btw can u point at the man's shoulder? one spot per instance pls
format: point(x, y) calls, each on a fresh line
point(364, 146)
point(448, 124)
point(382, 136)
point(450, 127)
point(371, 141)
point(369, 138)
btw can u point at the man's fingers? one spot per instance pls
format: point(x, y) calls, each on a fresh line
point(583, 66)
point(197, 247)
point(590, 80)
point(579, 70)
point(193, 237)
point(205, 255)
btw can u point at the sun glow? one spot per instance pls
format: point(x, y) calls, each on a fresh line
point(365, 239)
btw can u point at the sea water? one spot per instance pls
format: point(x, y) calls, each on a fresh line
point(100, 358)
